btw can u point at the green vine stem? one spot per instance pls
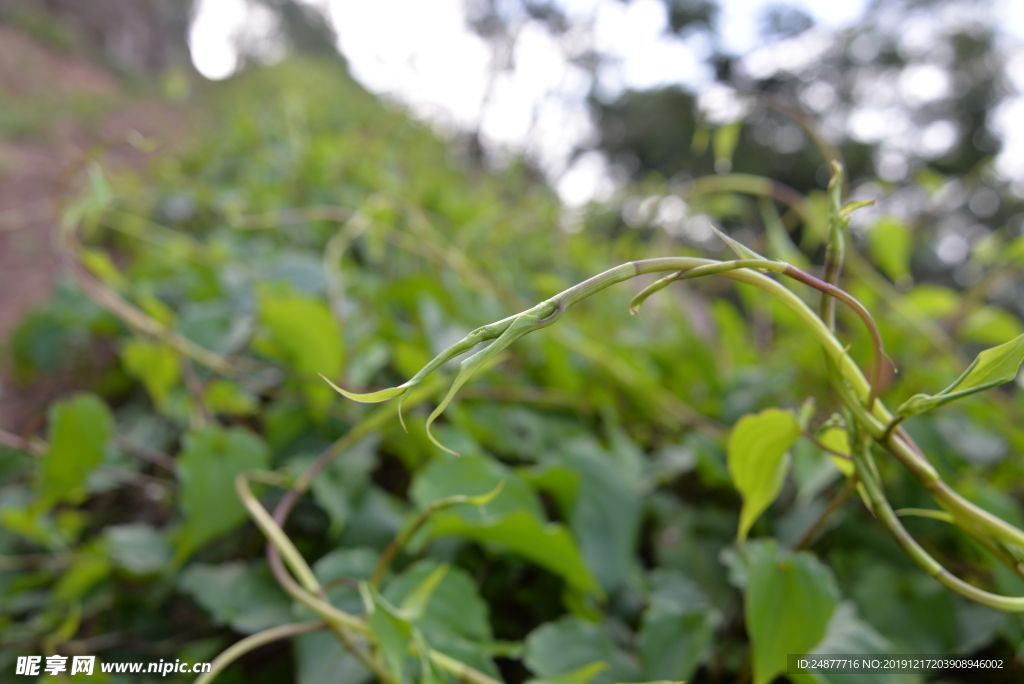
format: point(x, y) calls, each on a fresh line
point(344, 625)
point(835, 251)
point(890, 520)
point(829, 291)
point(802, 207)
point(855, 392)
point(254, 641)
point(834, 505)
point(406, 534)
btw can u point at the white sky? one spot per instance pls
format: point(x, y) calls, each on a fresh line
point(422, 53)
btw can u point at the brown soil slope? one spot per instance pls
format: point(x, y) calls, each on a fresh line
point(53, 107)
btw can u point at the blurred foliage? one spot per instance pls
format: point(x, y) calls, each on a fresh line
point(315, 230)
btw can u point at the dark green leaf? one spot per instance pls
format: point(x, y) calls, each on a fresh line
point(848, 634)
point(581, 675)
point(79, 430)
point(137, 548)
point(677, 629)
point(790, 599)
point(319, 658)
point(547, 544)
point(455, 620)
point(472, 476)
point(207, 468)
point(338, 488)
point(393, 632)
point(605, 516)
point(570, 644)
point(246, 597)
point(305, 335)
point(352, 565)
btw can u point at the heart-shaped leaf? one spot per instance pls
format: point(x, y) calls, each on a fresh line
point(757, 460)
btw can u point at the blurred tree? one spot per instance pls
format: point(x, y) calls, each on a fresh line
point(132, 36)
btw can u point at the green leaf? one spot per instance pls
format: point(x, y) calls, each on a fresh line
point(320, 657)
point(89, 567)
point(838, 440)
point(890, 243)
point(677, 629)
point(472, 476)
point(549, 545)
point(990, 368)
point(339, 487)
point(393, 632)
point(934, 300)
point(79, 430)
point(790, 599)
point(304, 335)
point(990, 325)
point(138, 548)
point(514, 519)
point(455, 620)
point(581, 675)
point(224, 397)
point(212, 458)
point(606, 511)
point(246, 597)
point(351, 565)
point(415, 603)
point(560, 481)
point(848, 634)
point(153, 363)
point(570, 644)
point(756, 456)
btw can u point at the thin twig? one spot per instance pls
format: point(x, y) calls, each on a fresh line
point(146, 453)
point(838, 500)
point(34, 447)
point(818, 443)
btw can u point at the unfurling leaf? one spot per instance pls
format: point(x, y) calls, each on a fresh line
point(992, 367)
point(757, 460)
point(523, 324)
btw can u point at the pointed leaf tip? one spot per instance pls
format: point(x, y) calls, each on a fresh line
point(741, 249)
point(368, 397)
point(487, 497)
